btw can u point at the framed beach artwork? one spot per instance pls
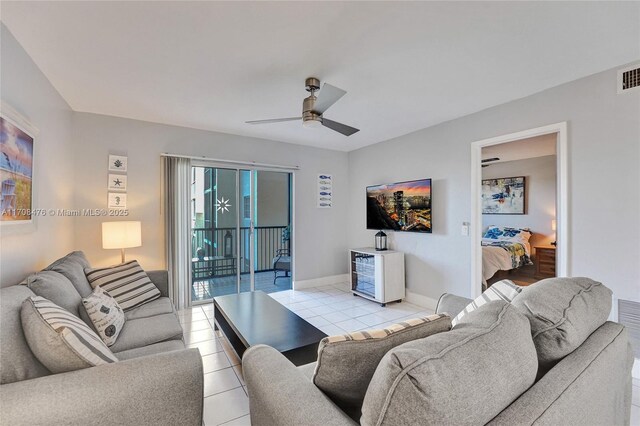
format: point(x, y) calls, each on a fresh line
point(17, 143)
point(503, 195)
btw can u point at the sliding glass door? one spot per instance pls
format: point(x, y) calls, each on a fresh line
point(241, 231)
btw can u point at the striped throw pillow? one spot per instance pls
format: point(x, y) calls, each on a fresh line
point(347, 362)
point(59, 339)
point(505, 290)
point(127, 283)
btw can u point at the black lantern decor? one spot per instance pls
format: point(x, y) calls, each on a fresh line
point(228, 244)
point(381, 241)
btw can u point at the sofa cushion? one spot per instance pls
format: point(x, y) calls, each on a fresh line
point(57, 288)
point(72, 266)
point(18, 362)
point(127, 283)
point(563, 312)
point(505, 290)
point(59, 339)
point(105, 314)
point(147, 331)
point(159, 306)
point(347, 362)
point(156, 348)
point(465, 376)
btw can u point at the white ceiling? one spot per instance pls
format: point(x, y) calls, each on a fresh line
point(538, 146)
point(406, 66)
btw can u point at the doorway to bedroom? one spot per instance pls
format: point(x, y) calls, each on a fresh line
point(519, 192)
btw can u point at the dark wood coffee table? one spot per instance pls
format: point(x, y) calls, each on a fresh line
point(253, 318)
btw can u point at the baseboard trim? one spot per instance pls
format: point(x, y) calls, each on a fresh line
point(319, 282)
point(420, 300)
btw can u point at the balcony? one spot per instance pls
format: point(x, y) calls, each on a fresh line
point(214, 273)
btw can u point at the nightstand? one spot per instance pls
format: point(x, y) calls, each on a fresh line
point(545, 261)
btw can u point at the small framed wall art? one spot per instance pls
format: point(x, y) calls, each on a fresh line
point(117, 163)
point(117, 201)
point(117, 182)
point(324, 191)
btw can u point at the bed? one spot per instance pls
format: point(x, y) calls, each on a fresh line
point(504, 249)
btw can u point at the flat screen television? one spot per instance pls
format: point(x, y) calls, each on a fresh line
point(402, 206)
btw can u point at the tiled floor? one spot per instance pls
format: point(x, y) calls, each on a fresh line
point(206, 289)
point(332, 309)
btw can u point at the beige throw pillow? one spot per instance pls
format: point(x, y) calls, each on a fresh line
point(106, 315)
point(346, 363)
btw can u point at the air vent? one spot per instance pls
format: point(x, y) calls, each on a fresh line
point(629, 316)
point(629, 79)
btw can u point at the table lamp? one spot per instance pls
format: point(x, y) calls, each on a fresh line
point(121, 235)
point(553, 228)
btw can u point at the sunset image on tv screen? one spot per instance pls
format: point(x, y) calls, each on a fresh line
point(403, 206)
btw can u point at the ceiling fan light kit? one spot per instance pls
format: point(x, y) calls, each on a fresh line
point(313, 107)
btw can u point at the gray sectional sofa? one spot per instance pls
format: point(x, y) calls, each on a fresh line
point(157, 381)
point(550, 357)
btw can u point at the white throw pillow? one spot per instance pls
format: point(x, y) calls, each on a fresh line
point(106, 315)
point(505, 290)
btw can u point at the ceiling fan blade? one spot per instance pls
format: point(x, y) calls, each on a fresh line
point(339, 127)
point(490, 159)
point(328, 96)
point(273, 120)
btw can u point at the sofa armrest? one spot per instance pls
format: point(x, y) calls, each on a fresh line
point(160, 389)
point(280, 394)
point(161, 279)
point(451, 304)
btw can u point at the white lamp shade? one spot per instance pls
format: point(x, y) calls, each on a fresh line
point(553, 225)
point(118, 235)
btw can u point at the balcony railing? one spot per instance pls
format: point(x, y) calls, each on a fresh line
point(268, 239)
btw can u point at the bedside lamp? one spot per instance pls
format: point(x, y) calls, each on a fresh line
point(553, 228)
point(121, 235)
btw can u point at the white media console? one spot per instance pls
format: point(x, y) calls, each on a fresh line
point(377, 275)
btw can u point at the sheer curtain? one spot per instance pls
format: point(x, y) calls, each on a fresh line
point(177, 197)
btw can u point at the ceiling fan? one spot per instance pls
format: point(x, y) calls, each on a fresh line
point(489, 160)
point(313, 108)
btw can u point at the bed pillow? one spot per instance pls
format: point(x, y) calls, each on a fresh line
point(105, 314)
point(505, 290)
point(60, 340)
point(500, 233)
point(127, 283)
point(347, 362)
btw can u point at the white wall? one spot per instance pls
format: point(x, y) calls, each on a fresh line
point(540, 201)
point(28, 91)
point(320, 237)
point(604, 173)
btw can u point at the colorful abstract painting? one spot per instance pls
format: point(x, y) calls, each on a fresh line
point(16, 172)
point(503, 195)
